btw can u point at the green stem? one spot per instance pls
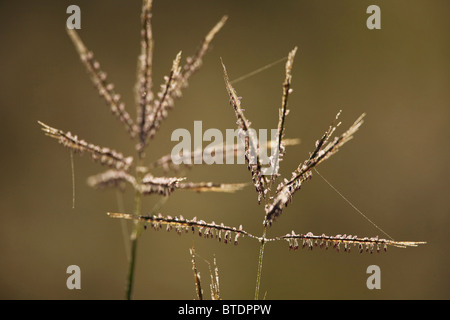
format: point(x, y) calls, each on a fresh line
point(134, 237)
point(260, 262)
point(132, 263)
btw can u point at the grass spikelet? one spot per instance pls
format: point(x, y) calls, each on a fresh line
point(160, 185)
point(105, 89)
point(323, 151)
point(211, 186)
point(214, 285)
point(111, 178)
point(104, 156)
point(366, 244)
point(162, 104)
point(283, 112)
point(179, 223)
point(144, 83)
point(197, 282)
point(250, 144)
point(234, 149)
point(152, 113)
point(194, 62)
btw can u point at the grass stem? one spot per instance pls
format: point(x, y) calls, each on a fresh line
point(260, 262)
point(137, 228)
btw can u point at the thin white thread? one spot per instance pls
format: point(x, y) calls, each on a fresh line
point(267, 66)
point(352, 205)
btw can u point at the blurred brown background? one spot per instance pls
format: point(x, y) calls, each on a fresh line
point(395, 170)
